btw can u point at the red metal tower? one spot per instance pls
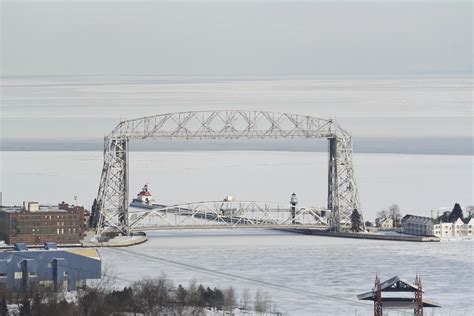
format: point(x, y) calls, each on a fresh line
point(378, 297)
point(397, 285)
point(418, 297)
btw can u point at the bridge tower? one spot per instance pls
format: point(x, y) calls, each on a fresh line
point(113, 188)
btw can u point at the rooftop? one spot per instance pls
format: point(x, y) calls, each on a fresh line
point(42, 208)
point(61, 207)
point(396, 284)
point(51, 246)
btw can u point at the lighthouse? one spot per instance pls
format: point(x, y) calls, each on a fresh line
point(144, 196)
point(293, 203)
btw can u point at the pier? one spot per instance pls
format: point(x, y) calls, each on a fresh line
point(399, 237)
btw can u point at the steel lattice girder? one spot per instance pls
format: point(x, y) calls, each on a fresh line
point(113, 189)
point(226, 214)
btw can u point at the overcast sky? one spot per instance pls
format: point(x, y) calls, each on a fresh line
point(246, 37)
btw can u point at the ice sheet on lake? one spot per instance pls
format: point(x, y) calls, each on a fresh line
point(306, 269)
point(418, 183)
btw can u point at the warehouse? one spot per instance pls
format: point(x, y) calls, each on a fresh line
point(59, 270)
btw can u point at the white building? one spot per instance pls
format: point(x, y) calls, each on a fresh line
point(425, 226)
point(387, 223)
point(443, 230)
point(458, 228)
point(468, 227)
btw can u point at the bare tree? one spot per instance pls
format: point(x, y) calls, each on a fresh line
point(192, 297)
point(91, 302)
point(381, 216)
point(152, 294)
point(267, 301)
point(395, 214)
point(181, 295)
point(259, 304)
point(230, 299)
point(3, 307)
point(246, 298)
point(263, 302)
point(91, 299)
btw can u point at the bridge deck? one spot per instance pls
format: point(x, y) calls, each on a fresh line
point(225, 215)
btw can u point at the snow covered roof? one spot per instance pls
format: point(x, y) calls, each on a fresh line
point(469, 220)
point(459, 221)
point(144, 193)
point(417, 219)
point(396, 284)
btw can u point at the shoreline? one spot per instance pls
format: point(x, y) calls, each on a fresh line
point(411, 238)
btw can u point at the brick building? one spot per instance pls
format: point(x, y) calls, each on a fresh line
point(35, 224)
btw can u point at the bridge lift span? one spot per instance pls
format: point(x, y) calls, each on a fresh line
point(111, 213)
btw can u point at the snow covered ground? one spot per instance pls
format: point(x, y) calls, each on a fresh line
point(305, 275)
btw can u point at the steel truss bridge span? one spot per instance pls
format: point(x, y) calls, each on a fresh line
point(110, 213)
point(218, 214)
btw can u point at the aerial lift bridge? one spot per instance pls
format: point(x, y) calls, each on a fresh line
point(111, 209)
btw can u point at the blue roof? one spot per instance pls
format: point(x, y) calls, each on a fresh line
point(77, 264)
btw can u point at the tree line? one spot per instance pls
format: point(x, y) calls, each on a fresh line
point(148, 296)
point(455, 214)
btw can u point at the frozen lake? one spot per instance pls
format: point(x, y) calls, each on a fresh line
point(418, 183)
point(297, 270)
point(59, 108)
point(305, 275)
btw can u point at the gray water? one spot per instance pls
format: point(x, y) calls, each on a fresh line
point(430, 146)
point(410, 114)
